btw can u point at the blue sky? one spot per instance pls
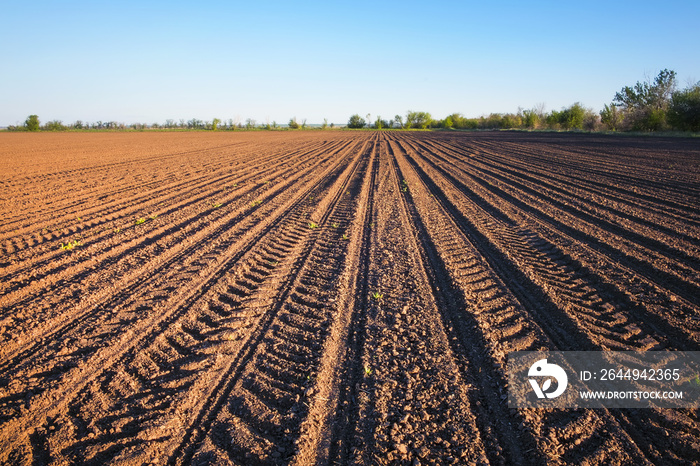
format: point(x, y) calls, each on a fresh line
point(146, 61)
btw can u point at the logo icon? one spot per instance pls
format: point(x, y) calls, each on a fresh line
point(543, 369)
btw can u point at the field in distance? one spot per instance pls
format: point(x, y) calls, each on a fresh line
point(335, 297)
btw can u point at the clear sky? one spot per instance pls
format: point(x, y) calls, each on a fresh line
point(141, 61)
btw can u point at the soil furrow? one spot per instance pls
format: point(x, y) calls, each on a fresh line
point(502, 314)
point(51, 402)
point(656, 254)
point(573, 196)
point(267, 392)
point(614, 331)
point(494, 206)
point(176, 203)
point(175, 179)
point(336, 297)
point(188, 246)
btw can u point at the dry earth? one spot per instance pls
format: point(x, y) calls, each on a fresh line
point(335, 297)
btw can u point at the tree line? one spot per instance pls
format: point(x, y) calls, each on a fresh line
point(32, 123)
point(655, 105)
point(652, 105)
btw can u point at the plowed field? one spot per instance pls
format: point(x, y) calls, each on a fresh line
point(335, 297)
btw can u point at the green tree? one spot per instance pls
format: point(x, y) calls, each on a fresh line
point(195, 124)
point(531, 119)
point(379, 123)
point(356, 121)
point(645, 105)
point(684, 111)
point(293, 124)
point(54, 125)
point(572, 117)
point(611, 117)
point(32, 123)
point(215, 124)
point(419, 120)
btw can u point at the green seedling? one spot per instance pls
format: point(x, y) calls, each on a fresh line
point(312, 225)
point(404, 186)
point(70, 245)
point(256, 203)
point(377, 295)
point(696, 380)
point(334, 225)
point(117, 230)
point(345, 236)
point(154, 216)
point(140, 221)
point(217, 205)
point(368, 370)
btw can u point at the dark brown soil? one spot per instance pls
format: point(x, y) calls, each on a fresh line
point(335, 297)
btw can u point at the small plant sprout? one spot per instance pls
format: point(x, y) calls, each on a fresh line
point(117, 230)
point(70, 245)
point(696, 380)
point(334, 225)
point(377, 295)
point(404, 186)
point(312, 225)
point(345, 236)
point(140, 221)
point(217, 205)
point(229, 336)
point(256, 203)
point(368, 370)
point(154, 216)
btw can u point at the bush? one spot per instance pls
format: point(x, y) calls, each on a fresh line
point(356, 122)
point(32, 123)
point(493, 121)
point(572, 117)
point(531, 119)
point(379, 124)
point(54, 125)
point(611, 117)
point(420, 120)
point(684, 111)
point(293, 124)
point(645, 105)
